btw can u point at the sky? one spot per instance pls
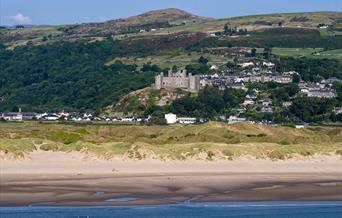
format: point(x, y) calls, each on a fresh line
point(41, 12)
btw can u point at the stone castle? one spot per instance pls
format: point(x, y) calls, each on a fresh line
point(179, 79)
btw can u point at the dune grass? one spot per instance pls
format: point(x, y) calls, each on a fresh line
point(207, 141)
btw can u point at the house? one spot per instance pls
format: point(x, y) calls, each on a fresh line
point(266, 109)
point(323, 93)
point(300, 126)
point(338, 110)
point(265, 101)
point(127, 119)
point(29, 115)
point(214, 67)
point(50, 117)
point(282, 79)
point(268, 64)
point(235, 119)
point(248, 102)
point(186, 120)
point(287, 104)
point(171, 118)
point(246, 64)
point(12, 116)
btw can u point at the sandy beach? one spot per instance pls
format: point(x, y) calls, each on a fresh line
point(57, 178)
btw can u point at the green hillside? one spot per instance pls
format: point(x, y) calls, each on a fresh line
point(92, 66)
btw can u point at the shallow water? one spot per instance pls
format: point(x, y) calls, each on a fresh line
point(282, 209)
point(121, 199)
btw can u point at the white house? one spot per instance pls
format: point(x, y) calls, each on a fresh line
point(247, 64)
point(186, 120)
point(268, 64)
point(127, 119)
point(171, 118)
point(248, 102)
point(214, 67)
point(235, 119)
point(12, 116)
point(50, 117)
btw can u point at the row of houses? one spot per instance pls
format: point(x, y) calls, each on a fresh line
point(65, 116)
point(238, 80)
point(321, 90)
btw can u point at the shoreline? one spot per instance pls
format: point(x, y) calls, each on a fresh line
point(286, 203)
point(76, 179)
point(49, 162)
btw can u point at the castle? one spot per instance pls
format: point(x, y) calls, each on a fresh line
point(179, 79)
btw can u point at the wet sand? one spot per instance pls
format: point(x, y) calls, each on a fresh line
point(57, 179)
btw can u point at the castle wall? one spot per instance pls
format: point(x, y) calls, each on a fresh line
point(177, 80)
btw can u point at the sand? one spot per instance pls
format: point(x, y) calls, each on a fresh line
point(57, 178)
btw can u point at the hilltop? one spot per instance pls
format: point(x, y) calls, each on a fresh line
point(144, 22)
point(167, 21)
point(137, 101)
point(148, 21)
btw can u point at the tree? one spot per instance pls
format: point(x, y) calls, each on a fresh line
point(231, 65)
point(210, 101)
point(174, 68)
point(197, 68)
point(183, 106)
point(233, 97)
point(296, 78)
point(253, 52)
point(267, 53)
point(203, 60)
point(226, 29)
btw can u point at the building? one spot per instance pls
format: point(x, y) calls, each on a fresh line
point(282, 79)
point(266, 109)
point(29, 115)
point(265, 101)
point(323, 93)
point(12, 116)
point(186, 120)
point(287, 104)
point(49, 117)
point(246, 64)
point(179, 79)
point(235, 119)
point(171, 118)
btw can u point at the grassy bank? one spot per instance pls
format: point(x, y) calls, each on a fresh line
point(207, 141)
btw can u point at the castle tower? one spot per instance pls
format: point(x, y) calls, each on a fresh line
point(158, 84)
point(194, 83)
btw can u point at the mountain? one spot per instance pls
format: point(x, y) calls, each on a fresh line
point(165, 22)
point(144, 22)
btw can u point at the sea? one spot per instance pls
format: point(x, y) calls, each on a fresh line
point(288, 209)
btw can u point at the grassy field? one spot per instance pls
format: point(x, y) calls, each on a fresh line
point(171, 58)
point(258, 22)
point(293, 52)
point(208, 141)
point(305, 52)
point(334, 54)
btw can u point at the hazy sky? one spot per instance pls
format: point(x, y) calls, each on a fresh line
point(80, 11)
